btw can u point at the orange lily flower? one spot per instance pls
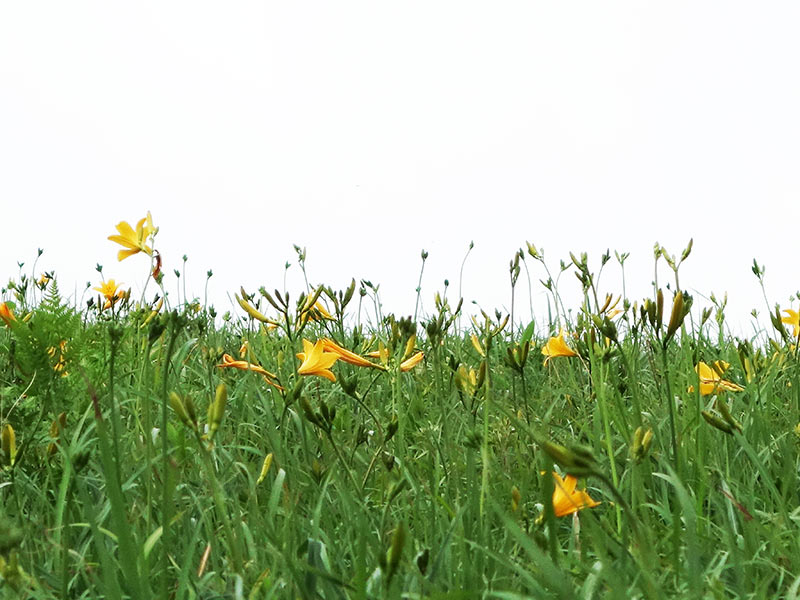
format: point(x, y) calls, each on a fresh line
point(243, 365)
point(566, 500)
point(316, 361)
point(6, 314)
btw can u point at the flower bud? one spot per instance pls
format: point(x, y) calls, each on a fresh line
point(8, 444)
point(217, 409)
point(265, 468)
point(576, 460)
point(716, 422)
point(515, 498)
point(725, 411)
point(176, 402)
point(395, 551)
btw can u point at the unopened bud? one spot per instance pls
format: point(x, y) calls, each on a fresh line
point(265, 468)
point(391, 429)
point(716, 422)
point(725, 411)
point(217, 409)
point(176, 402)
point(8, 444)
point(515, 498)
point(395, 551)
point(412, 341)
point(576, 460)
point(680, 308)
point(641, 443)
point(688, 250)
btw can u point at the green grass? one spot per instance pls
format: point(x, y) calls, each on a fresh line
point(392, 483)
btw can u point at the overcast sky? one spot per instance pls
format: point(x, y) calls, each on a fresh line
point(368, 131)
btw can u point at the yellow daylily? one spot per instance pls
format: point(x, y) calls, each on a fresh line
point(557, 346)
point(61, 363)
point(243, 365)
point(711, 381)
point(134, 241)
point(6, 314)
point(110, 291)
point(793, 319)
point(566, 499)
point(346, 356)
point(316, 361)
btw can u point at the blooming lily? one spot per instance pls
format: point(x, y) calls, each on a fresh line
point(243, 365)
point(711, 381)
point(6, 314)
point(134, 241)
point(110, 292)
point(794, 320)
point(557, 346)
point(566, 499)
point(346, 355)
point(316, 361)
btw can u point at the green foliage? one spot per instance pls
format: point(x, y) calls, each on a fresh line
point(423, 482)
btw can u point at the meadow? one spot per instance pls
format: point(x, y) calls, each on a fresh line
point(307, 445)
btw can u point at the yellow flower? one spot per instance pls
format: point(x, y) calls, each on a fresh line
point(243, 365)
point(557, 346)
point(111, 293)
point(134, 241)
point(710, 380)
point(61, 363)
point(412, 362)
point(794, 320)
point(346, 356)
point(566, 500)
point(316, 361)
point(6, 314)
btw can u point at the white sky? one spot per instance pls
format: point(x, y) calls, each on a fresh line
point(367, 131)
